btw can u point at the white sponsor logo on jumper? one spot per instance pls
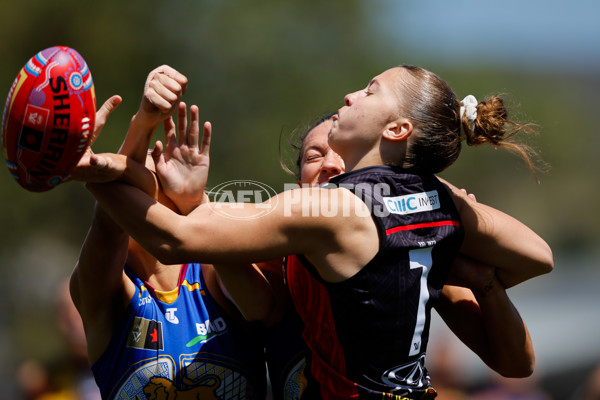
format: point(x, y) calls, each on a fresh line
point(413, 203)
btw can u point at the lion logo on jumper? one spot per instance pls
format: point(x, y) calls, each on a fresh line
point(164, 389)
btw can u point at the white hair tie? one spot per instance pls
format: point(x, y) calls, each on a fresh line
point(469, 109)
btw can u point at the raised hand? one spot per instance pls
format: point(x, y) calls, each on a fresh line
point(183, 168)
point(163, 90)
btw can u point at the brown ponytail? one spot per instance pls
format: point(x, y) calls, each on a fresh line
point(493, 126)
point(432, 106)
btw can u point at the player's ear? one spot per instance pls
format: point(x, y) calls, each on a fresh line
point(398, 130)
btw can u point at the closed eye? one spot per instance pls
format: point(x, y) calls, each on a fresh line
point(372, 85)
point(312, 155)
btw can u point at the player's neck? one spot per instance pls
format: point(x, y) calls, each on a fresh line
point(160, 276)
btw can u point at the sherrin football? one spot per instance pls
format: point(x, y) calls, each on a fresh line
point(48, 118)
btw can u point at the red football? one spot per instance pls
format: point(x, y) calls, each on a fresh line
point(48, 118)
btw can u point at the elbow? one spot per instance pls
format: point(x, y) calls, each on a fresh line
point(170, 251)
point(177, 243)
point(547, 260)
point(171, 245)
point(259, 309)
point(526, 372)
point(517, 367)
point(176, 253)
point(540, 260)
point(517, 371)
point(74, 291)
point(167, 255)
point(550, 262)
point(256, 315)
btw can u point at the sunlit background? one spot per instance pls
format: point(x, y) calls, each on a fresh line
point(260, 69)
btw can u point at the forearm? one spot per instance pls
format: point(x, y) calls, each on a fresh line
point(98, 286)
point(206, 234)
point(101, 261)
point(500, 240)
point(247, 288)
point(136, 174)
point(186, 206)
point(509, 345)
point(105, 240)
point(138, 137)
point(480, 313)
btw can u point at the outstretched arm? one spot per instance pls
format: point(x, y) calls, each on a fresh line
point(340, 242)
point(248, 288)
point(99, 287)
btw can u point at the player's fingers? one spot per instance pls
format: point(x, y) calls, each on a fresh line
point(99, 162)
point(162, 97)
point(167, 84)
point(174, 75)
point(107, 108)
point(163, 87)
point(194, 133)
point(469, 195)
point(166, 71)
point(102, 115)
point(206, 136)
point(182, 124)
point(170, 129)
point(157, 152)
point(93, 160)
